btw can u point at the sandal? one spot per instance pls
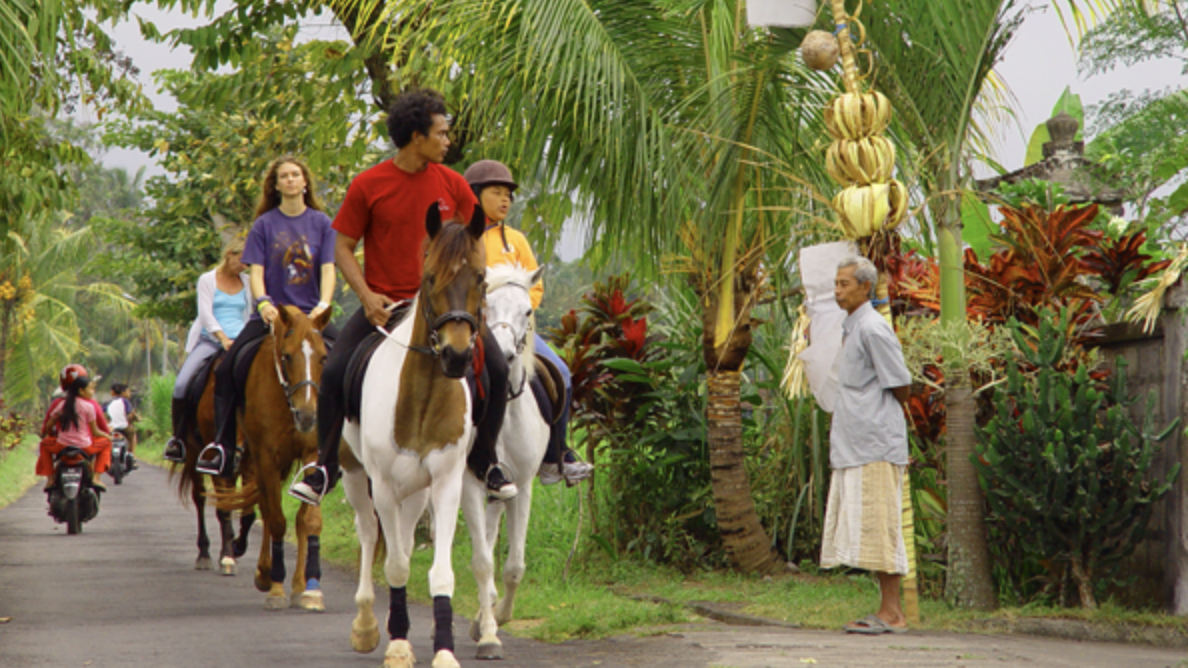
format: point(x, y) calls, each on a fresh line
point(872, 625)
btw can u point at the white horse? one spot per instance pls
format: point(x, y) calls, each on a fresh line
point(413, 436)
point(521, 447)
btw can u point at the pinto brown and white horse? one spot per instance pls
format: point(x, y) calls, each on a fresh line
point(413, 436)
point(277, 421)
point(191, 483)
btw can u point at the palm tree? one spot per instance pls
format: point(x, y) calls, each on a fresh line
point(39, 288)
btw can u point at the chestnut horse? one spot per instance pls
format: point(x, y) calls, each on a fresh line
point(413, 436)
point(277, 422)
point(192, 483)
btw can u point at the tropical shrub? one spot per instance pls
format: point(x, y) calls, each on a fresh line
point(156, 411)
point(13, 427)
point(1063, 465)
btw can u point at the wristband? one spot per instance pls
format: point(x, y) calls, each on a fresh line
point(262, 300)
point(323, 305)
point(261, 305)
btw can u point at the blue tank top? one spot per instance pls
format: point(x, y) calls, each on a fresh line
point(228, 311)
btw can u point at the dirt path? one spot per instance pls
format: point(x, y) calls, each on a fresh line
point(124, 594)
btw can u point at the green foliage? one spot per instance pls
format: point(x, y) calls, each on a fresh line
point(13, 428)
point(216, 148)
point(1063, 465)
point(1134, 34)
point(156, 412)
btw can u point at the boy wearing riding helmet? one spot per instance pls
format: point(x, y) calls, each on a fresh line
point(75, 421)
point(495, 188)
point(385, 207)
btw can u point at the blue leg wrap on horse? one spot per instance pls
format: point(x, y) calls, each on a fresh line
point(397, 613)
point(443, 620)
point(278, 562)
point(313, 563)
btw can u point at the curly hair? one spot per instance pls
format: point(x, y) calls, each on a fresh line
point(270, 197)
point(413, 112)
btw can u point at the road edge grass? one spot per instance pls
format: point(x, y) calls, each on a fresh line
point(17, 469)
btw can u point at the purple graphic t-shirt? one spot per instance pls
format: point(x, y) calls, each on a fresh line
point(292, 250)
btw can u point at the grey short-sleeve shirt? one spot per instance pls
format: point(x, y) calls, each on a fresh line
point(868, 422)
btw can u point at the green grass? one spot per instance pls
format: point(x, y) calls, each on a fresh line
point(16, 470)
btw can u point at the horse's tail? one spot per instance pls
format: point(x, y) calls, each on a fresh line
point(182, 476)
point(243, 497)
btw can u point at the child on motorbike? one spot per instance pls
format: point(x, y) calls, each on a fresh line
point(75, 421)
point(494, 187)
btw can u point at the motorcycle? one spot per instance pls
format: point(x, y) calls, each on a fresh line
point(122, 460)
point(72, 499)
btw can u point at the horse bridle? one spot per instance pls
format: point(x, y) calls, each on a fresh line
point(436, 322)
point(520, 344)
point(289, 390)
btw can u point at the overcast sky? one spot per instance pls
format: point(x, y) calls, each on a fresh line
point(1038, 64)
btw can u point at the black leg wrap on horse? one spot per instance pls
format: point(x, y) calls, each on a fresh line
point(443, 620)
point(398, 613)
point(278, 562)
point(240, 545)
point(313, 563)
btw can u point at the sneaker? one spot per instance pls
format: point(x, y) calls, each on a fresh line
point(549, 474)
point(575, 470)
point(175, 451)
point(499, 488)
point(312, 487)
point(210, 460)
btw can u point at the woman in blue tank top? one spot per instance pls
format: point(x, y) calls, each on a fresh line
point(223, 310)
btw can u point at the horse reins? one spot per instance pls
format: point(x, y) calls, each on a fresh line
point(289, 390)
point(436, 322)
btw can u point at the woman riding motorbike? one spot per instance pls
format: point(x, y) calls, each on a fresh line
point(75, 421)
point(290, 252)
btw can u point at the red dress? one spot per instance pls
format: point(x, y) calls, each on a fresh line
point(100, 447)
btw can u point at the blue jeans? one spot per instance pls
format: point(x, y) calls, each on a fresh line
point(557, 435)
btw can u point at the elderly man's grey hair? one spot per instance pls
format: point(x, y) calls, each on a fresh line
point(864, 271)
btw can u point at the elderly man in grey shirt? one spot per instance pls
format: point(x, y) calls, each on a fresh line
point(868, 449)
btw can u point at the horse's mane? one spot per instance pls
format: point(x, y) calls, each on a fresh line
point(447, 252)
point(513, 273)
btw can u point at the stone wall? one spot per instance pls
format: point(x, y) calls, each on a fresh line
point(1155, 362)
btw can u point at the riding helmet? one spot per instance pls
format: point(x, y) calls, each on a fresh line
point(489, 173)
point(71, 373)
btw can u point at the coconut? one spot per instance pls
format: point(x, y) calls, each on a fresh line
point(819, 50)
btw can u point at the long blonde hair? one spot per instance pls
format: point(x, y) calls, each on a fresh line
point(270, 197)
point(234, 245)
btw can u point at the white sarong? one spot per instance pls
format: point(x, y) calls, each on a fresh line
point(863, 519)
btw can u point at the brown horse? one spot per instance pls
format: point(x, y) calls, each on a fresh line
point(277, 421)
point(193, 484)
point(412, 438)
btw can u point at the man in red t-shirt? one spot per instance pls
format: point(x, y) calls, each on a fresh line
point(385, 206)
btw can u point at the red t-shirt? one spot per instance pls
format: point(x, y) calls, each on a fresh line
point(385, 206)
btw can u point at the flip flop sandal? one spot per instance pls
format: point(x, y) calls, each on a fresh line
point(872, 625)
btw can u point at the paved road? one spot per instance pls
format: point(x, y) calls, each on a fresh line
point(123, 594)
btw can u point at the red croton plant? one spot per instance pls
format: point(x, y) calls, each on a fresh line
point(1044, 258)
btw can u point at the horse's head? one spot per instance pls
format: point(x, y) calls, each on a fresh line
point(509, 309)
point(453, 288)
point(299, 353)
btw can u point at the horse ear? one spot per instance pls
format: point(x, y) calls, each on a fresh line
point(285, 318)
point(478, 222)
point(323, 319)
point(433, 220)
point(535, 277)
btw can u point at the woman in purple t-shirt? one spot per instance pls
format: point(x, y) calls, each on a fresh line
point(290, 255)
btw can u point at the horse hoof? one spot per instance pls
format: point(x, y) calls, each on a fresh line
point(445, 659)
point(263, 582)
point(490, 649)
point(400, 655)
point(274, 603)
point(227, 566)
point(475, 632)
point(365, 640)
point(311, 600)
point(203, 564)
